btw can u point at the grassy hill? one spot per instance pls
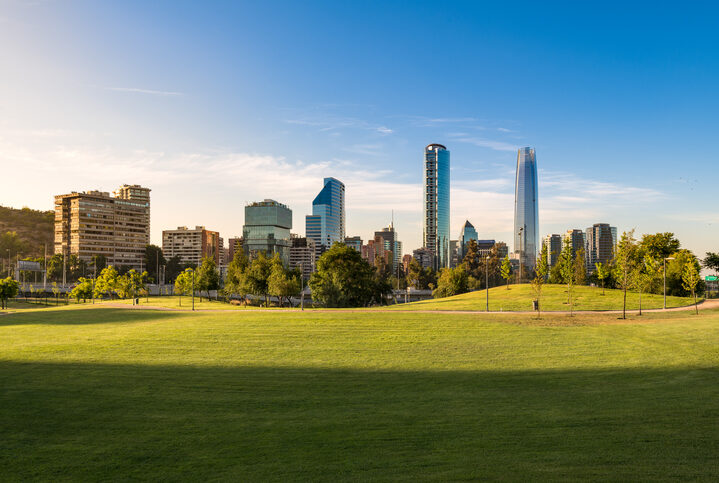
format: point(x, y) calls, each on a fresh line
point(519, 297)
point(33, 230)
point(106, 393)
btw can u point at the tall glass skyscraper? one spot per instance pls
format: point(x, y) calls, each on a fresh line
point(468, 233)
point(267, 229)
point(436, 203)
point(326, 224)
point(526, 212)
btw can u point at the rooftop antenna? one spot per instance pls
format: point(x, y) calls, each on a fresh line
point(392, 223)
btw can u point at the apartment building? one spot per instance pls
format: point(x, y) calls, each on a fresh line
point(191, 245)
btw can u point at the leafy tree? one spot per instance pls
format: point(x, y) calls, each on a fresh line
point(625, 262)
point(471, 260)
point(452, 281)
point(690, 280)
point(184, 283)
point(580, 268)
point(207, 277)
point(603, 272)
point(283, 283)
point(54, 267)
point(506, 270)
point(9, 288)
point(567, 271)
point(257, 276)
point(83, 290)
point(540, 276)
point(675, 273)
point(130, 284)
point(344, 279)
point(658, 245)
point(153, 260)
point(555, 273)
point(99, 262)
point(418, 277)
point(174, 268)
point(712, 261)
point(646, 273)
point(235, 283)
point(107, 282)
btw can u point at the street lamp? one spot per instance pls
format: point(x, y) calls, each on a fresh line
point(189, 270)
point(486, 279)
point(665, 280)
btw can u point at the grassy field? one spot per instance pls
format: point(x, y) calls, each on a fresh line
point(554, 298)
point(89, 393)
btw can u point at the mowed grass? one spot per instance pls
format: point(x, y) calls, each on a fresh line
point(554, 298)
point(108, 393)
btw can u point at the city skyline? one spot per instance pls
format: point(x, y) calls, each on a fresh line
point(101, 103)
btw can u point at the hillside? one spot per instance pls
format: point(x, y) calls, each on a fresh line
point(33, 229)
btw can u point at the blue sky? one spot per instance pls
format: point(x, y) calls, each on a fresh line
point(214, 104)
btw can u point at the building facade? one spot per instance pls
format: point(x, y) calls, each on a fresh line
point(424, 256)
point(526, 211)
point(192, 246)
point(354, 242)
point(267, 229)
point(600, 243)
point(467, 233)
point(436, 204)
point(577, 239)
point(303, 255)
point(391, 244)
point(554, 248)
point(234, 245)
point(326, 224)
point(94, 223)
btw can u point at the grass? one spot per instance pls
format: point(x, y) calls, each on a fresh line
point(99, 393)
point(554, 298)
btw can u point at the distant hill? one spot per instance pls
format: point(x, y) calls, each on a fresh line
point(26, 231)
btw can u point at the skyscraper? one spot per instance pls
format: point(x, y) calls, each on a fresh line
point(392, 244)
point(468, 233)
point(436, 203)
point(526, 212)
point(600, 242)
point(267, 229)
point(326, 224)
point(554, 248)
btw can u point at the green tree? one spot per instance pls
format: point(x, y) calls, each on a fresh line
point(506, 270)
point(625, 262)
point(658, 245)
point(54, 268)
point(235, 283)
point(99, 262)
point(257, 277)
point(567, 271)
point(645, 275)
point(675, 273)
point(540, 276)
point(580, 268)
point(9, 288)
point(184, 283)
point(174, 268)
point(344, 279)
point(154, 259)
point(83, 290)
point(451, 281)
point(690, 281)
point(602, 272)
point(207, 277)
point(471, 260)
point(107, 282)
point(712, 262)
point(283, 283)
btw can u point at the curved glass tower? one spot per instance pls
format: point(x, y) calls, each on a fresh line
point(326, 224)
point(436, 203)
point(526, 213)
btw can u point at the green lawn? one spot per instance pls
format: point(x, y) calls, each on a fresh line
point(554, 297)
point(101, 393)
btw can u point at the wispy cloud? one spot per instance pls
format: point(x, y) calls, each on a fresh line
point(145, 91)
point(328, 123)
point(485, 143)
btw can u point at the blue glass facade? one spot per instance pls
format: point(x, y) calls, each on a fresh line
point(526, 211)
point(326, 224)
point(468, 233)
point(436, 203)
point(267, 229)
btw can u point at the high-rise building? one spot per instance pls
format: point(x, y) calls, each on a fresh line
point(354, 242)
point(554, 248)
point(468, 233)
point(436, 203)
point(234, 245)
point(484, 247)
point(94, 223)
point(424, 256)
point(377, 248)
point(502, 250)
point(191, 245)
point(326, 224)
point(303, 255)
point(577, 239)
point(526, 212)
point(406, 260)
point(600, 239)
point(267, 229)
point(453, 253)
point(391, 244)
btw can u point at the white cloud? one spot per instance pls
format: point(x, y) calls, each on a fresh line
point(145, 91)
point(487, 143)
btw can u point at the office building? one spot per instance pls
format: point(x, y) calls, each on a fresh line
point(468, 233)
point(502, 250)
point(326, 224)
point(577, 239)
point(391, 244)
point(234, 245)
point(600, 242)
point(436, 204)
point(354, 242)
point(424, 256)
point(192, 246)
point(526, 212)
point(267, 229)
point(94, 223)
point(453, 253)
point(377, 249)
point(303, 255)
point(484, 247)
point(554, 248)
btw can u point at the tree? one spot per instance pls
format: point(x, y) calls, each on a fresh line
point(712, 261)
point(624, 266)
point(344, 279)
point(283, 283)
point(567, 271)
point(602, 272)
point(9, 288)
point(418, 277)
point(207, 277)
point(580, 268)
point(130, 284)
point(506, 270)
point(452, 281)
point(540, 276)
point(646, 273)
point(153, 260)
point(659, 245)
point(107, 282)
point(690, 280)
point(83, 290)
point(174, 268)
point(184, 283)
point(235, 283)
point(257, 277)
point(675, 273)
point(99, 262)
point(54, 267)
point(471, 260)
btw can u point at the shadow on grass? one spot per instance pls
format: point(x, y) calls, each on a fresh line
point(93, 421)
point(85, 316)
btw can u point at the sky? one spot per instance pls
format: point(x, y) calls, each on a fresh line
point(214, 105)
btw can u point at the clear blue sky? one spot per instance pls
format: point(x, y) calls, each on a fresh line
point(214, 104)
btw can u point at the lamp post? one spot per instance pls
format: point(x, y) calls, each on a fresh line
point(189, 270)
point(486, 279)
point(665, 280)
